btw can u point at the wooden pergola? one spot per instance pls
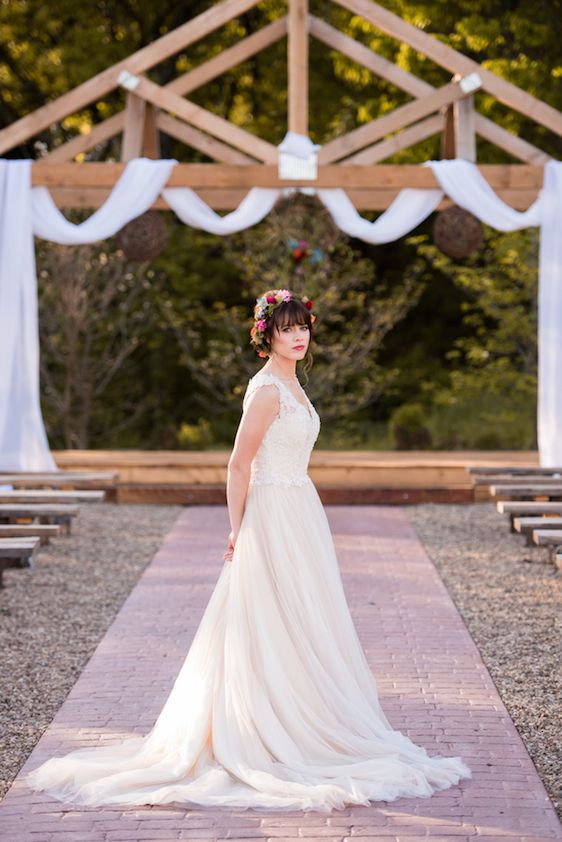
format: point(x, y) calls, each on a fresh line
point(242, 160)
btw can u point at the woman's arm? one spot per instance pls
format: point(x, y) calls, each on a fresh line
point(262, 407)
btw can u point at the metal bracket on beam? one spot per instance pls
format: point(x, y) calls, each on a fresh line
point(128, 80)
point(470, 83)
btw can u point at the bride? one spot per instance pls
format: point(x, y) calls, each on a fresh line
point(275, 706)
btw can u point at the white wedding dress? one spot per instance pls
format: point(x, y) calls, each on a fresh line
point(275, 706)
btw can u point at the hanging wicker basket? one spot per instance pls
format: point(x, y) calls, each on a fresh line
point(457, 232)
point(144, 237)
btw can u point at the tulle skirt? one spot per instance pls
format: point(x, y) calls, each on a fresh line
point(275, 706)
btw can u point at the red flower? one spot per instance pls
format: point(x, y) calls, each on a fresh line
point(308, 305)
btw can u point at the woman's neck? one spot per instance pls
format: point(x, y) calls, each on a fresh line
point(287, 373)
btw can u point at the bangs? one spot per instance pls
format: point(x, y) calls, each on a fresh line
point(291, 313)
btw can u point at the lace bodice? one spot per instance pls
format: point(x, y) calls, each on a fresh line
point(283, 456)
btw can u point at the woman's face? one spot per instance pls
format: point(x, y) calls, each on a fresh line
point(291, 341)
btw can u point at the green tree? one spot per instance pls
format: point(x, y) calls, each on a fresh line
point(490, 400)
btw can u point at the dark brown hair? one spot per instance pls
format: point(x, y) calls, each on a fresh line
point(290, 312)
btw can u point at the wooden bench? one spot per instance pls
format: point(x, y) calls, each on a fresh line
point(61, 513)
point(539, 489)
point(522, 479)
point(514, 471)
point(16, 552)
point(519, 508)
point(45, 496)
point(44, 531)
point(527, 525)
point(78, 480)
point(551, 538)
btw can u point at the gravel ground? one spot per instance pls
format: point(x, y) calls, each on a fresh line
point(52, 617)
point(510, 597)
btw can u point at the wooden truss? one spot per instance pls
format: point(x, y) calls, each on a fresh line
point(242, 160)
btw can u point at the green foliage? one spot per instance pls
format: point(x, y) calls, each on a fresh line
point(408, 427)
point(195, 436)
point(490, 399)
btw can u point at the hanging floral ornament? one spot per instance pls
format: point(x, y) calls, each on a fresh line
point(457, 232)
point(144, 237)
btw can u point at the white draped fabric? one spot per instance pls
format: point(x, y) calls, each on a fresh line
point(25, 211)
point(23, 441)
point(135, 192)
point(192, 210)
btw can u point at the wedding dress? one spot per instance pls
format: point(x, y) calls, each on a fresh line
point(275, 706)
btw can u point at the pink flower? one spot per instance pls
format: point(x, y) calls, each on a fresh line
point(262, 324)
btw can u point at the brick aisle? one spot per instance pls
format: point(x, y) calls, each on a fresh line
point(431, 678)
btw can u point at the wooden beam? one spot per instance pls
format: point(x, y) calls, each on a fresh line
point(402, 140)
point(516, 146)
point(133, 132)
point(203, 143)
point(297, 54)
point(382, 176)
point(184, 84)
point(456, 62)
point(397, 119)
point(83, 142)
point(368, 58)
point(145, 58)
point(416, 87)
point(229, 199)
point(229, 58)
point(205, 120)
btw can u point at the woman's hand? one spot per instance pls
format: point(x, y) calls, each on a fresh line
point(227, 556)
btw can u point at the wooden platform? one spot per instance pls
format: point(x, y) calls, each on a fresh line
point(341, 476)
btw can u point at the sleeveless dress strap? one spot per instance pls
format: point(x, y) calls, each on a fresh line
point(265, 379)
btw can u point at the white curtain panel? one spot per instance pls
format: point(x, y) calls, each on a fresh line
point(549, 410)
point(25, 211)
point(23, 443)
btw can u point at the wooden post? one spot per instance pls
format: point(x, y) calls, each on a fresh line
point(464, 129)
point(131, 145)
point(298, 66)
point(448, 133)
point(151, 134)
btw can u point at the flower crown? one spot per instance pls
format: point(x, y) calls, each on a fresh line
point(265, 305)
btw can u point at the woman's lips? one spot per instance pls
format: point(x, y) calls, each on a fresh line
point(298, 347)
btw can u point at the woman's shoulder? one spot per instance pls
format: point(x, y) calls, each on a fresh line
point(261, 378)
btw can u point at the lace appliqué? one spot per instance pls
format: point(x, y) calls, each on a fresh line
point(284, 454)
